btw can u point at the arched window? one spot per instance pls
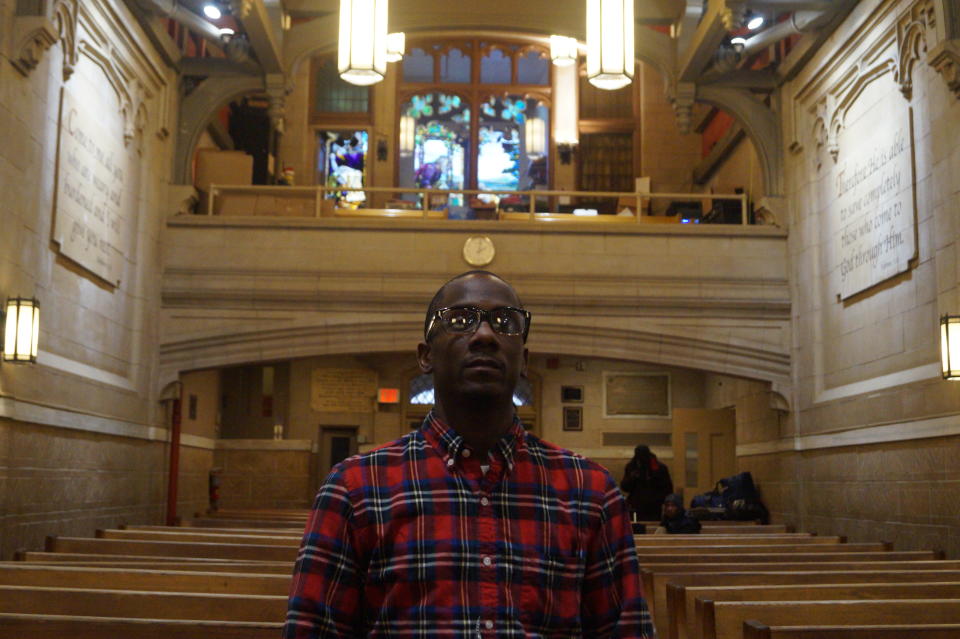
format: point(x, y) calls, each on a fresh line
point(474, 114)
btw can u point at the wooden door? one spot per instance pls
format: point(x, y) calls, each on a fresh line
point(336, 444)
point(704, 449)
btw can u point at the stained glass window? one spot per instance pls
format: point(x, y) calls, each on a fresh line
point(495, 67)
point(341, 161)
point(455, 66)
point(507, 159)
point(533, 67)
point(466, 134)
point(418, 66)
point(438, 159)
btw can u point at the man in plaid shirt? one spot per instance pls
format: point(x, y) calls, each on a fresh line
point(469, 526)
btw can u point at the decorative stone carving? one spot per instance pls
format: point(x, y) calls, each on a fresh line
point(39, 35)
point(945, 58)
point(66, 16)
point(684, 95)
point(277, 90)
point(913, 28)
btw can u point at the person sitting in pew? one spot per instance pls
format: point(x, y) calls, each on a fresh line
point(676, 520)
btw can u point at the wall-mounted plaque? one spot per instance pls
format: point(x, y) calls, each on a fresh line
point(570, 394)
point(93, 168)
point(870, 189)
point(572, 418)
point(636, 394)
point(343, 390)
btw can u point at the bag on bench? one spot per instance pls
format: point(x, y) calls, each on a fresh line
point(737, 495)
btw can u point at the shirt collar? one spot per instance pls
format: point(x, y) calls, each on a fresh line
point(449, 443)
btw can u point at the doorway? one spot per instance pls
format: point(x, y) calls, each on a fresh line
point(704, 448)
point(336, 444)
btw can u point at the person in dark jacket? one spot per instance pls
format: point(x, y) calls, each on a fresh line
point(646, 482)
point(676, 520)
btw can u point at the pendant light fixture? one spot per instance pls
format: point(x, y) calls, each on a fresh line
point(610, 46)
point(362, 45)
point(563, 50)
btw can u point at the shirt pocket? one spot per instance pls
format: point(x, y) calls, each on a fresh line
point(551, 586)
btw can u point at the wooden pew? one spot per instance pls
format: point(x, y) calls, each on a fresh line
point(785, 549)
point(757, 630)
point(681, 600)
point(261, 552)
point(206, 522)
point(736, 530)
point(655, 577)
point(162, 563)
point(125, 578)
point(192, 535)
point(737, 540)
point(725, 619)
point(795, 557)
point(89, 602)
point(220, 530)
point(18, 626)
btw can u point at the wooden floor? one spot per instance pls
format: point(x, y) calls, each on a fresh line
point(227, 575)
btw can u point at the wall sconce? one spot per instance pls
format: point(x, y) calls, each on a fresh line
point(21, 330)
point(950, 346)
point(565, 150)
point(396, 46)
point(407, 134)
point(610, 43)
point(563, 50)
point(381, 150)
point(362, 43)
point(534, 130)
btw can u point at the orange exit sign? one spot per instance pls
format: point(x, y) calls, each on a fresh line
point(388, 395)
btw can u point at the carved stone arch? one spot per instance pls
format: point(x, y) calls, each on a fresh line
point(761, 125)
point(912, 47)
point(66, 17)
point(198, 108)
point(214, 350)
point(865, 75)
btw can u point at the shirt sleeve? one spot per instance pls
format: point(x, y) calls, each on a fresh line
point(326, 595)
point(612, 603)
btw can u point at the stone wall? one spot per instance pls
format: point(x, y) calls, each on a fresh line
point(70, 482)
point(83, 427)
point(263, 474)
point(875, 426)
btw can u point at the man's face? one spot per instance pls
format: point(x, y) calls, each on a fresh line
point(671, 510)
point(479, 364)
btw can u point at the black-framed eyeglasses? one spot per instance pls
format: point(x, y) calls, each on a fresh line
point(505, 320)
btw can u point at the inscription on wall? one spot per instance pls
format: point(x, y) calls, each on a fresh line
point(92, 169)
point(343, 390)
point(871, 197)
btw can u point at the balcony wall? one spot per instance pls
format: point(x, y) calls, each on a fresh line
point(246, 289)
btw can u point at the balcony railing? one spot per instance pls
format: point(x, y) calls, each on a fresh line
point(461, 204)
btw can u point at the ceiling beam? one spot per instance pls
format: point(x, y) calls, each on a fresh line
point(263, 31)
point(658, 12)
point(720, 18)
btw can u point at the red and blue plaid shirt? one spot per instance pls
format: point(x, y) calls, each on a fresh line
point(414, 539)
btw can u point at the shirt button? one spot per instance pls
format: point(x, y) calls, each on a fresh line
point(489, 625)
point(486, 562)
point(484, 501)
point(466, 452)
point(450, 462)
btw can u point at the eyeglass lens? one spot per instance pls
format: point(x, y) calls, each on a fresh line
point(505, 321)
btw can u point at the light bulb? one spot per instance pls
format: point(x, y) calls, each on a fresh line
point(755, 23)
point(212, 11)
